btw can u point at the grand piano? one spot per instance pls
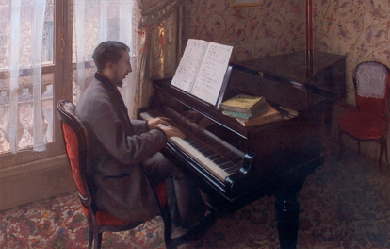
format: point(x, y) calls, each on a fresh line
point(233, 164)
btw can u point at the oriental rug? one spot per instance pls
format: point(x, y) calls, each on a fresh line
point(344, 204)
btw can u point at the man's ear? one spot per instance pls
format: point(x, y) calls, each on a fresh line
point(109, 65)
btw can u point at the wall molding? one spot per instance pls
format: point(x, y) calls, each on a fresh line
point(33, 181)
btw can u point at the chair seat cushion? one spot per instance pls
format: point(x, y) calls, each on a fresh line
point(161, 191)
point(103, 218)
point(363, 125)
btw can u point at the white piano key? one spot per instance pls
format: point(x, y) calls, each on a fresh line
point(194, 153)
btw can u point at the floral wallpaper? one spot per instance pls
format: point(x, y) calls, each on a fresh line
point(358, 29)
point(277, 27)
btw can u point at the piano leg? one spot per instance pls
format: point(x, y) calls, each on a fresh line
point(287, 215)
point(328, 117)
point(287, 205)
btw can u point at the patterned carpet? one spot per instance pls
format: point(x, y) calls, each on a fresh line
point(344, 204)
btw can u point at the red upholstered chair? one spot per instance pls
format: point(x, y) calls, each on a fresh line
point(368, 122)
point(76, 142)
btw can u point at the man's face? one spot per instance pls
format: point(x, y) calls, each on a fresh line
point(121, 69)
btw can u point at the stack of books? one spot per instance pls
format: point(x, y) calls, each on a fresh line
point(250, 110)
point(269, 116)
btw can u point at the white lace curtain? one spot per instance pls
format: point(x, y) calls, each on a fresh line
point(98, 21)
point(159, 39)
point(23, 116)
point(26, 95)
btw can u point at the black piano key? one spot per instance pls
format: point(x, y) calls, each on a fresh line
point(214, 156)
point(223, 160)
point(209, 153)
point(229, 154)
point(223, 150)
point(203, 149)
point(225, 165)
point(238, 161)
point(189, 139)
point(195, 143)
point(231, 170)
point(218, 160)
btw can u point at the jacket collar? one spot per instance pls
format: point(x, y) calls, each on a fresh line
point(100, 77)
point(107, 82)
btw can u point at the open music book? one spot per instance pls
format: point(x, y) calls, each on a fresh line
point(202, 69)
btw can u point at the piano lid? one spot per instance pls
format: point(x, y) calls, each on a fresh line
point(297, 67)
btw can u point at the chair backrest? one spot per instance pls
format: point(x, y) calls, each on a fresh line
point(371, 81)
point(76, 143)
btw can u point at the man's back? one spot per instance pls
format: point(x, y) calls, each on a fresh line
point(116, 151)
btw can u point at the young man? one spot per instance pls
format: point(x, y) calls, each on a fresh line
point(123, 150)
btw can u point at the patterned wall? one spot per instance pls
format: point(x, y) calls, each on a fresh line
point(358, 29)
point(277, 27)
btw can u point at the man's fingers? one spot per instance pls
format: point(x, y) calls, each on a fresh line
point(171, 131)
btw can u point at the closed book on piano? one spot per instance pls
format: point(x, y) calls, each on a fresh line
point(243, 103)
point(271, 115)
point(246, 116)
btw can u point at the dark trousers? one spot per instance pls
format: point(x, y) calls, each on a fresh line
point(184, 198)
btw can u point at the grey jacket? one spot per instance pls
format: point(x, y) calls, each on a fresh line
point(118, 146)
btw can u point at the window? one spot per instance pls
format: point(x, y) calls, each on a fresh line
point(47, 57)
point(32, 33)
point(95, 22)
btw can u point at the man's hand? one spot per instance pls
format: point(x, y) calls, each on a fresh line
point(162, 123)
point(153, 123)
point(171, 131)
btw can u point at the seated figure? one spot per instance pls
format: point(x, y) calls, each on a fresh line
point(124, 153)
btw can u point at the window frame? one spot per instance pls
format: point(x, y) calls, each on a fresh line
point(62, 89)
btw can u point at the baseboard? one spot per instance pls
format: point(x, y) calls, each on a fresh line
point(35, 181)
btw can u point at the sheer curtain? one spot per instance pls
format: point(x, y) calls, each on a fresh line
point(160, 39)
point(98, 21)
point(25, 104)
point(26, 95)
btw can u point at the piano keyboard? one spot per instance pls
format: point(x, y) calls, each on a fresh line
point(209, 159)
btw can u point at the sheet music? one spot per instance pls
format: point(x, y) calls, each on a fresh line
point(202, 69)
point(189, 65)
point(212, 72)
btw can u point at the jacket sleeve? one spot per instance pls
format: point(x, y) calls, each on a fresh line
point(117, 136)
point(139, 126)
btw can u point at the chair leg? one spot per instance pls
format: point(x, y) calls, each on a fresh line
point(358, 147)
point(90, 235)
point(166, 216)
point(380, 157)
point(341, 150)
point(97, 237)
point(383, 144)
point(99, 240)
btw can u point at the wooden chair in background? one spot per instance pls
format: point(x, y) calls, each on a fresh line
point(368, 121)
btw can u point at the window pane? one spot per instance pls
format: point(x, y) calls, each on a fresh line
point(27, 12)
point(21, 97)
point(25, 111)
point(5, 12)
point(4, 145)
point(48, 34)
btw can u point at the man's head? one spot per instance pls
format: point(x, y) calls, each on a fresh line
point(112, 60)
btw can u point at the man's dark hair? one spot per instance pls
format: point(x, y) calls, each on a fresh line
point(110, 51)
